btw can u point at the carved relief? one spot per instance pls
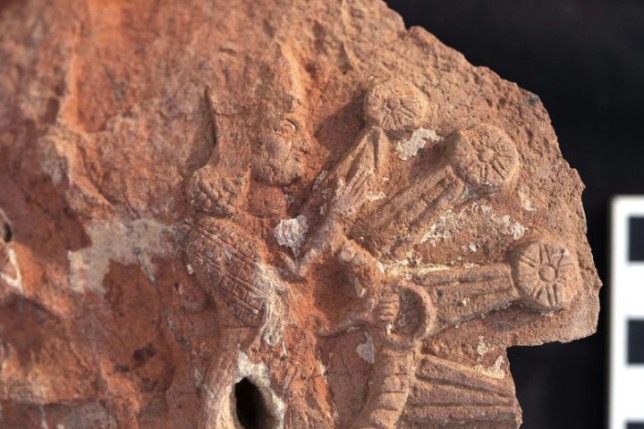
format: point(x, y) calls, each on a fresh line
point(389, 391)
point(306, 214)
point(481, 160)
point(461, 294)
point(389, 106)
point(395, 105)
point(398, 309)
point(447, 298)
point(407, 215)
point(546, 274)
point(445, 392)
point(485, 157)
point(281, 141)
point(228, 264)
point(542, 277)
point(216, 193)
point(279, 158)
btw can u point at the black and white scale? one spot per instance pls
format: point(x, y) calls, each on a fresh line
point(627, 314)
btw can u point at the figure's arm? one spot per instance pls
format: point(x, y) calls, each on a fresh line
point(330, 236)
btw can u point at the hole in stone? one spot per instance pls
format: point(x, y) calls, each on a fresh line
point(7, 233)
point(251, 408)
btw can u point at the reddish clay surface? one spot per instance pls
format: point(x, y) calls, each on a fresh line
point(273, 214)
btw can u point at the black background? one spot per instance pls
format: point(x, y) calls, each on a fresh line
point(585, 59)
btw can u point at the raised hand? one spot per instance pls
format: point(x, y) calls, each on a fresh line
point(350, 198)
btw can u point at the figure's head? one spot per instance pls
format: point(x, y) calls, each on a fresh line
point(282, 143)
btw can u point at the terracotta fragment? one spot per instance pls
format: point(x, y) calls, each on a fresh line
point(272, 214)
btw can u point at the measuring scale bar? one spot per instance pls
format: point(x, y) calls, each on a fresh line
point(626, 401)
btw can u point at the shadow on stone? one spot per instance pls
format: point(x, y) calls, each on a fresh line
point(251, 408)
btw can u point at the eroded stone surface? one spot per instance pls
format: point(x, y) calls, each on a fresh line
point(278, 213)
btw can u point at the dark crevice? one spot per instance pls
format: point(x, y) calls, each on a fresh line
point(251, 408)
point(5, 230)
point(7, 234)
